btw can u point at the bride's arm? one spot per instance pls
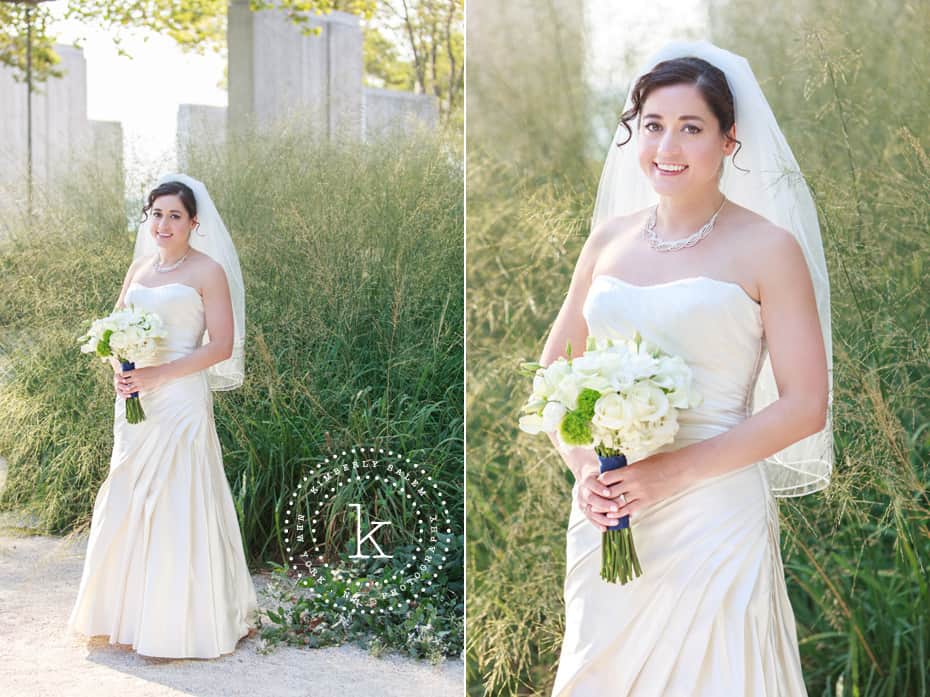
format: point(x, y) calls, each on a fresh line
point(795, 344)
point(120, 301)
point(219, 319)
point(130, 273)
point(570, 326)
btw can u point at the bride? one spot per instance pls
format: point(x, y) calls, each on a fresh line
point(705, 240)
point(165, 568)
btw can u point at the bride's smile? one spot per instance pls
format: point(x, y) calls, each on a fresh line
point(681, 147)
point(171, 227)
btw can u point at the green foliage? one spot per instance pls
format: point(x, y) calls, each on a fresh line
point(15, 20)
point(383, 65)
point(855, 555)
point(431, 33)
point(197, 26)
point(429, 623)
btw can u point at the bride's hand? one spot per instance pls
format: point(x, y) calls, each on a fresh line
point(139, 380)
point(118, 382)
point(644, 483)
point(592, 497)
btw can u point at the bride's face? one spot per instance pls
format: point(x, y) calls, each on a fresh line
point(171, 224)
point(679, 131)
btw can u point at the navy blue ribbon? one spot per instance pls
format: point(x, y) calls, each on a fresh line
point(129, 365)
point(613, 462)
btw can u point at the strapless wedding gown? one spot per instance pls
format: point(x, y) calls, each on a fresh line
point(165, 568)
point(710, 616)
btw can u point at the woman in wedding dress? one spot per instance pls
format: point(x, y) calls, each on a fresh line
point(717, 258)
point(165, 569)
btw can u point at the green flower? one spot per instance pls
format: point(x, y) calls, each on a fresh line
point(575, 429)
point(103, 346)
point(586, 401)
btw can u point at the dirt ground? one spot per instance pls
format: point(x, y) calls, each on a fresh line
point(39, 578)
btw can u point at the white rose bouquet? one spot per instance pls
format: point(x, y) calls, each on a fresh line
point(129, 335)
point(621, 399)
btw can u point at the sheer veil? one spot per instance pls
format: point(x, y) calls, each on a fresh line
point(775, 189)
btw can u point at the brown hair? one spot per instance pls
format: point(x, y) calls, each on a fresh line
point(179, 189)
point(710, 81)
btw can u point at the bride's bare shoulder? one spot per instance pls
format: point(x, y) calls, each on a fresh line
point(209, 272)
point(767, 247)
point(744, 219)
point(619, 225)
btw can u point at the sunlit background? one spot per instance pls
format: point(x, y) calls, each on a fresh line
point(129, 85)
point(142, 90)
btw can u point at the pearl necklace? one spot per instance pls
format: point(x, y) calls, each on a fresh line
point(171, 267)
point(649, 233)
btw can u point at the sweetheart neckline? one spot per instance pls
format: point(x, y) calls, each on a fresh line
point(742, 291)
point(163, 285)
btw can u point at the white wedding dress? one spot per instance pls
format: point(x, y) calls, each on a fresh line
point(165, 568)
point(710, 616)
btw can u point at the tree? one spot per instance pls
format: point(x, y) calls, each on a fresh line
point(433, 30)
point(383, 65)
point(13, 36)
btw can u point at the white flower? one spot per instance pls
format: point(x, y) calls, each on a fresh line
point(567, 391)
point(612, 411)
point(597, 370)
point(552, 416)
point(134, 334)
point(531, 423)
point(641, 364)
point(675, 376)
point(641, 390)
point(649, 401)
point(666, 429)
point(547, 379)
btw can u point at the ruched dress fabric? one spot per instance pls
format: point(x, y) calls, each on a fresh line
point(710, 616)
point(165, 568)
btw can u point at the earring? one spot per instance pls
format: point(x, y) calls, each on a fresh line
point(197, 228)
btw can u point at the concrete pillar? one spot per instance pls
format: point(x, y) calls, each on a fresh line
point(276, 72)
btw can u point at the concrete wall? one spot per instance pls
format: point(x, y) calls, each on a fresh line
point(62, 135)
point(389, 112)
point(204, 125)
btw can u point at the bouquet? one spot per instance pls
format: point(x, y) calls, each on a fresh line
point(129, 335)
point(621, 399)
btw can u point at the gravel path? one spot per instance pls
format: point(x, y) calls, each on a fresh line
point(39, 577)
